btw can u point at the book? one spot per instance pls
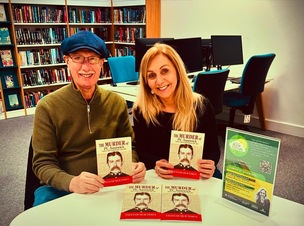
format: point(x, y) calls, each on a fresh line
point(13, 100)
point(4, 36)
point(141, 202)
point(186, 148)
point(6, 58)
point(114, 160)
point(9, 81)
point(2, 13)
point(23, 58)
point(181, 203)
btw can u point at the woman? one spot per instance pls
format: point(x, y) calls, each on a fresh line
point(166, 102)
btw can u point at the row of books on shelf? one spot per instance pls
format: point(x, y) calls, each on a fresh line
point(5, 37)
point(102, 32)
point(129, 34)
point(98, 15)
point(26, 36)
point(45, 76)
point(31, 99)
point(125, 51)
point(38, 14)
point(41, 57)
point(129, 15)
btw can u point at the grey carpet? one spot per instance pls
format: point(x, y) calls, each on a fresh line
point(15, 135)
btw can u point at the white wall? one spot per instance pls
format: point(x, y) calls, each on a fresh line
point(266, 26)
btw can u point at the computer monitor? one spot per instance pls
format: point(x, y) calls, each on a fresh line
point(190, 51)
point(206, 54)
point(227, 50)
point(141, 47)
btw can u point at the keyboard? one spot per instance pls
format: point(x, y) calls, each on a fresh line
point(235, 80)
point(133, 83)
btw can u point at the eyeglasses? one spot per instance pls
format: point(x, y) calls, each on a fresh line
point(81, 59)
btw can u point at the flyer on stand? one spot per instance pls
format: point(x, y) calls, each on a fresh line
point(141, 202)
point(181, 203)
point(185, 150)
point(114, 160)
point(250, 165)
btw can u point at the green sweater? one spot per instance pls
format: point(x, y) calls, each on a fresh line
point(65, 130)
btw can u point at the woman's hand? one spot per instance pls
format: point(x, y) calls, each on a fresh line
point(164, 169)
point(206, 168)
point(139, 172)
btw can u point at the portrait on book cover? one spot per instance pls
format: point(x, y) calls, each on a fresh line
point(115, 161)
point(185, 154)
point(181, 202)
point(142, 200)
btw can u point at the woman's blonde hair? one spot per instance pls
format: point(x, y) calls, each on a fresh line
point(186, 101)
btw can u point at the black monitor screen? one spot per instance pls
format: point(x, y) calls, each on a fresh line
point(141, 47)
point(227, 50)
point(190, 50)
point(206, 53)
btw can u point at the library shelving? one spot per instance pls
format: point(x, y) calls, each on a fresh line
point(11, 88)
point(37, 28)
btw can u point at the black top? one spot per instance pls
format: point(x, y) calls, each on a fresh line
point(153, 142)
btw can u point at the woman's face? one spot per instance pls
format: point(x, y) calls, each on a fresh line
point(162, 77)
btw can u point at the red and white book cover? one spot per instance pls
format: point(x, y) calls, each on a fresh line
point(186, 148)
point(114, 160)
point(181, 203)
point(141, 202)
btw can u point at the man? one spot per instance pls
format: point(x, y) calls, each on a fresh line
point(181, 202)
point(141, 200)
point(185, 154)
point(68, 121)
point(115, 162)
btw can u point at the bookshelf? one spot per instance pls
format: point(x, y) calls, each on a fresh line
point(37, 28)
point(11, 90)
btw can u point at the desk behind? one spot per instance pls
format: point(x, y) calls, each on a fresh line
point(103, 208)
point(129, 92)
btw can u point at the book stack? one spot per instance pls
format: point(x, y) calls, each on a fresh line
point(161, 202)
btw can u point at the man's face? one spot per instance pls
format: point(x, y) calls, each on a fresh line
point(85, 75)
point(180, 202)
point(185, 155)
point(115, 163)
point(142, 201)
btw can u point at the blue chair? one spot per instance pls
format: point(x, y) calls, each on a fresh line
point(211, 84)
point(251, 85)
point(123, 69)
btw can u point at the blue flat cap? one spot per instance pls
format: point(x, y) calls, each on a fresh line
point(84, 40)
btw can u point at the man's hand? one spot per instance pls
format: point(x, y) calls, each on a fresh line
point(86, 183)
point(139, 172)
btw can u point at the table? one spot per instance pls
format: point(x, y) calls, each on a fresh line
point(103, 208)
